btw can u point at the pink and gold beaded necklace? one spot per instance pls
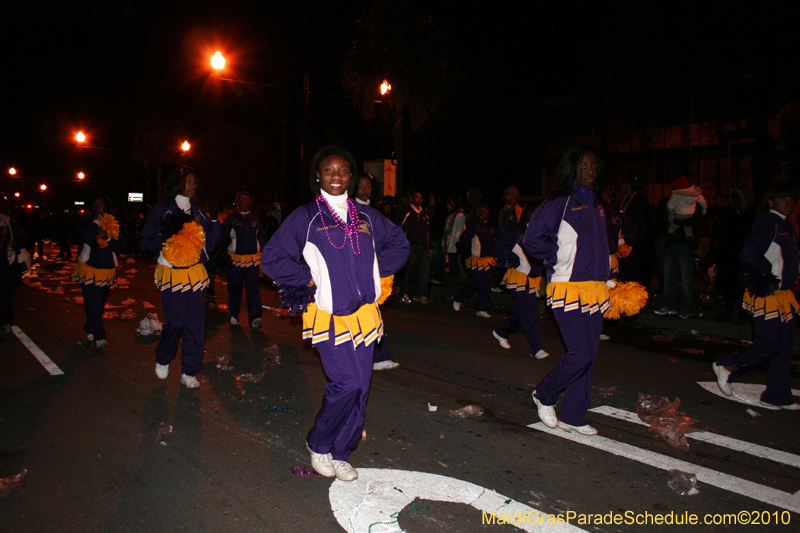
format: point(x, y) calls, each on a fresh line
point(350, 229)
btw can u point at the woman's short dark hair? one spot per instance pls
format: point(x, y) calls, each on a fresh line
point(177, 181)
point(103, 197)
point(777, 190)
point(325, 153)
point(569, 170)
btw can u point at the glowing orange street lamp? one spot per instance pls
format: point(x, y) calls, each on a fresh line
point(12, 171)
point(80, 137)
point(16, 195)
point(217, 61)
point(43, 187)
point(186, 146)
point(385, 87)
point(81, 175)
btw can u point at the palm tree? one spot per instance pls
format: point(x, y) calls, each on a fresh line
point(395, 43)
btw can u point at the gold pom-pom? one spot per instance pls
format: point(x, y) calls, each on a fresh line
point(627, 298)
point(623, 251)
point(386, 288)
point(183, 249)
point(110, 225)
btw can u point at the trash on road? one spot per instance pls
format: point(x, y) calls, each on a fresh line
point(689, 350)
point(149, 325)
point(303, 471)
point(130, 260)
point(148, 305)
point(663, 416)
point(59, 290)
point(663, 338)
point(432, 408)
point(277, 409)
point(131, 271)
point(165, 434)
point(753, 413)
point(468, 411)
point(273, 356)
point(223, 361)
point(683, 483)
point(128, 314)
point(128, 302)
point(108, 315)
point(250, 378)
point(14, 484)
point(606, 392)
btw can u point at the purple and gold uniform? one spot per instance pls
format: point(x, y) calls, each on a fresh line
point(479, 238)
point(569, 234)
point(247, 241)
point(344, 322)
point(183, 290)
point(95, 271)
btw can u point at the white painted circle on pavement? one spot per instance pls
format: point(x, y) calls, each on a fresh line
point(379, 493)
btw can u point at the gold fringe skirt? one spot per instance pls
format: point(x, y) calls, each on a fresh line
point(243, 261)
point(87, 275)
point(780, 305)
point(584, 296)
point(365, 325)
point(517, 281)
point(194, 278)
point(480, 263)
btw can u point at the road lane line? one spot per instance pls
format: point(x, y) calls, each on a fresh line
point(749, 448)
point(762, 493)
point(47, 363)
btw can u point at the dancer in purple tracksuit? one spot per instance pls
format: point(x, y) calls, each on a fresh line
point(568, 233)
point(479, 238)
point(772, 265)
point(247, 240)
point(523, 278)
point(96, 266)
point(347, 248)
point(183, 288)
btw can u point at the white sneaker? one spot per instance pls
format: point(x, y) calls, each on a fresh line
point(322, 463)
point(102, 343)
point(583, 430)
point(503, 342)
point(385, 365)
point(789, 407)
point(233, 321)
point(483, 314)
point(256, 323)
point(497, 289)
point(89, 337)
point(162, 371)
point(722, 374)
point(541, 354)
point(190, 381)
point(547, 413)
point(604, 337)
point(456, 305)
point(344, 471)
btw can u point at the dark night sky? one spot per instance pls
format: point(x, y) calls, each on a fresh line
point(102, 65)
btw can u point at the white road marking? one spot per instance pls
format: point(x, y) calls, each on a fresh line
point(47, 363)
point(746, 393)
point(756, 450)
point(378, 493)
point(762, 493)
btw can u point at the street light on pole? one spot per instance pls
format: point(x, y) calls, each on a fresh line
point(186, 146)
point(81, 175)
point(12, 171)
point(385, 88)
point(80, 137)
point(42, 187)
point(217, 61)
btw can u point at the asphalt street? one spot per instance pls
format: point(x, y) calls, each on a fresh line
point(110, 447)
